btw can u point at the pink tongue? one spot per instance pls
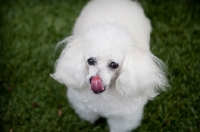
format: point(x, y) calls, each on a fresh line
point(96, 84)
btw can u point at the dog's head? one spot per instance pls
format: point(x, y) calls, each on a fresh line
point(108, 57)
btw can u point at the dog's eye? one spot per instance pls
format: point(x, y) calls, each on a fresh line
point(114, 65)
point(91, 61)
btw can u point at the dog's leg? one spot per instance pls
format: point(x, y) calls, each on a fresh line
point(80, 107)
point(124, 124)
point(86, 114)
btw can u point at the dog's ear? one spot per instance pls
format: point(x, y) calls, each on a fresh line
point(142, 75)
point(70, 68)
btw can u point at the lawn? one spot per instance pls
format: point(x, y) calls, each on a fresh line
point(31, 101)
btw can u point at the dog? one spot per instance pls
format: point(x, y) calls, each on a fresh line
point(107, 64)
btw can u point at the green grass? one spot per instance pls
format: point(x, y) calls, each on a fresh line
point(32, 101)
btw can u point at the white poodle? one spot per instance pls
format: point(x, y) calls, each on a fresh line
point(107, 64)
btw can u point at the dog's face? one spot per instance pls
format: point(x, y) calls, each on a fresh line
point(108, 57)
point(102, 72)
point(103, 69)
point(104, 55)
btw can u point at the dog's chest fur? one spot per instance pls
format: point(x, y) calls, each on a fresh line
point(105, 104)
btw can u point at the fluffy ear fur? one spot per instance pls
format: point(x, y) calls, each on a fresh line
point(141, 76)
point(70, 68)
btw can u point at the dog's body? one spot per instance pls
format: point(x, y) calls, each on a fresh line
point(107, 64)
point(126, 13)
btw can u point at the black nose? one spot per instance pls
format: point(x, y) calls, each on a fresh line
point(91, 79)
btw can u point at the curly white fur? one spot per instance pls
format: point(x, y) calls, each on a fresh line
point(111, 31)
